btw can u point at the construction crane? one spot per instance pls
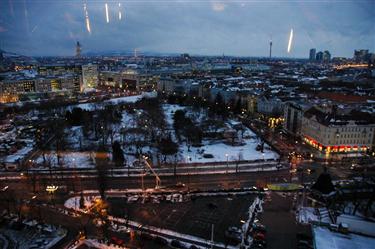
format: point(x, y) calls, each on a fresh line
point(157, 178)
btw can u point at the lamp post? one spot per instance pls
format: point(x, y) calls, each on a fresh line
point(51, 190)
point(227, 162)
point(263, 162)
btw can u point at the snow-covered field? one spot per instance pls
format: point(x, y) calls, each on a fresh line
point(218, 149)
point(72, 157)
point(115, 101)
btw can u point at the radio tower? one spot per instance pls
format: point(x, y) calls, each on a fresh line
point(271, 47)
point(78, 49)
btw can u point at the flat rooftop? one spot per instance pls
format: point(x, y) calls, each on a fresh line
point(325, 238)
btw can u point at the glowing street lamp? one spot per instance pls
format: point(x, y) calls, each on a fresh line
point(51, 189)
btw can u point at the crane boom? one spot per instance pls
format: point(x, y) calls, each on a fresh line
point(157, 178)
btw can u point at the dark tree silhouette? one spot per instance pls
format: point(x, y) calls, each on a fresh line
point(102, 161)
point(117, 154)
point(167, 147)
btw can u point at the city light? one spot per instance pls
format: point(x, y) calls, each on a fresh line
point(51, 189)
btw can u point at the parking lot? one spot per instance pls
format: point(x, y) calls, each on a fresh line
point(194, 217)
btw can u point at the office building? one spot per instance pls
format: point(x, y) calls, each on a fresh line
point(319, 56)
point(361, 55)
point(90, 76)
point(312, 56)
point(326, 56)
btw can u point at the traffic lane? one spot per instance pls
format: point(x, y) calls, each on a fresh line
point(210, 181)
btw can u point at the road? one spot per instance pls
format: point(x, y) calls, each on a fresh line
point(204, 182)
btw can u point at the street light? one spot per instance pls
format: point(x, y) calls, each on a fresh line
point(227, 162)
point(51, 189)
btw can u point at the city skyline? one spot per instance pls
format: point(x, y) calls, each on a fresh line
point(236, 28)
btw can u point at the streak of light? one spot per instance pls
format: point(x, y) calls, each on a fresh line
point(106, 13)
point(119, 11)
point(11, 9)
point(87, 18)
point(290, 40)
point(35, 27)
point(26, 17)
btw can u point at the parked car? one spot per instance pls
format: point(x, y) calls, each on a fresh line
point(259, 236)
point(180, 185)
point(177, 244)
point(161, 241)
point(234, 233)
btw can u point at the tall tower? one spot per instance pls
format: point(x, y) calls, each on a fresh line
point(78, 49)
point(312, 56)
point(271, 47)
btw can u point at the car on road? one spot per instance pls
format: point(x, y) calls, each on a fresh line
point(117, 241)
point(180, 185)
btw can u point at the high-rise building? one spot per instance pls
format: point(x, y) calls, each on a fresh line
point(312, 56)
point(361, 55)
point(89, 76)
point(319, 56)
point(78, 49)
point(326, 56)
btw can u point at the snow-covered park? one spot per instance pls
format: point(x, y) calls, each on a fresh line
point(139, 129)
point(220, 151)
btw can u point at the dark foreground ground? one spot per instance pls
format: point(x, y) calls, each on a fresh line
point(279, 219)
point(194, 217)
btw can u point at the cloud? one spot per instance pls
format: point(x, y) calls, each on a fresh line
point(209, 27)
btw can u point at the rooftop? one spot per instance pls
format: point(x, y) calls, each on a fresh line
point(325, 238)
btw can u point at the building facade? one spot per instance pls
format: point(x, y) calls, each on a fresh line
point(12, 89)
point(90, 77)
point(333, 133)
point(293, 113)
point(269, 106)
point(312, 56)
